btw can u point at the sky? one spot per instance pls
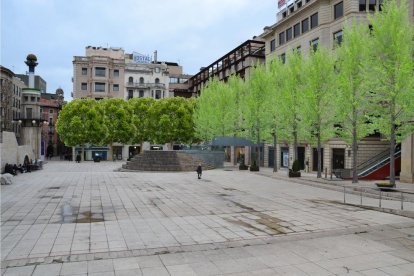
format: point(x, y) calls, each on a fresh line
point(191, 32)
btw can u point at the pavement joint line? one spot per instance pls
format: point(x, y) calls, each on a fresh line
point(199, 247)
point(327, 184)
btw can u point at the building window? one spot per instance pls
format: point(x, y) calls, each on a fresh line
point(314, 20)
point(291, 9)
point(84, 86)
point(283, 57)
point(288, 34)
point(100, 72)
point(141, 93)
point(173, 80)
point(281, 38)
point(305, 25)
point(50, 111)
point(157, 69)
point(299, 4)
point(372, 5)
point(115, 88)
point(28, 113)
point(32, 99)
point(116, 73)
point(337, 38)
point(284, 14)
point(141, 80)
point(99, 86)
point(157, 94)
point(362, 5)
point(272, 45)
point(157, 80)
point(314, 44)
point(84, 71)
point(130, 80)
point(130, 94)
point(381, 2)
point(339, 10)
point(296, 30)
point(299, 49)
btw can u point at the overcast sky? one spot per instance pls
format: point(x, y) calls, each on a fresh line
point(191, 32)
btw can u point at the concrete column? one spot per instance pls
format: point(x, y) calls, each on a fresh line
point(407, 160)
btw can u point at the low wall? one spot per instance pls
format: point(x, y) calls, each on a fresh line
point(214, 158)
point(11, 152)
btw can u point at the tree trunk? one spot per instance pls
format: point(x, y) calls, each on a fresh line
point(111, 152)
point(354, 150)
point(275, 152)
point(258, 149)
point(295, 145)
point(392, 155)
point(319, 174)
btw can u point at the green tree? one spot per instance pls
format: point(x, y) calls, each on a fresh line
point(141, 119)
point(275, 105)
point(291, 96)
point(351, 99)
point(317, 107)
point(81, 121)
point(215, 112)
point(391, 74)
point(173, 120)
point(258, 94)
point(118, 120)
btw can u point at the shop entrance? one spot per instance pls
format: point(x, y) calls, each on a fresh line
point(284, 157)
point(315, 159)
point(301, 157)
point(338, 159)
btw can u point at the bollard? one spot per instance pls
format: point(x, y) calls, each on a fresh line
point(361, 198)
point(344, 194)
point(326, 173)
point(402, 200)
point(380, 199)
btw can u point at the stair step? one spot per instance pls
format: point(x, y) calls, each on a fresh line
point(165, 161)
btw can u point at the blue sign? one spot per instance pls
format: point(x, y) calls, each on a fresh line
point(139, 58)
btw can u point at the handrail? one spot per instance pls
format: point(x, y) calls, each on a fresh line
point(376, 158)
point(380, 164)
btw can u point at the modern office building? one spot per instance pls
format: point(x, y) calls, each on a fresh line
point(303, 25)
point(238, 61)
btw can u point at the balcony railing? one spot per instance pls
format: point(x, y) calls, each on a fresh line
point(145, 85)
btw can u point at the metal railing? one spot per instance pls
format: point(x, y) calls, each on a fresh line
point(402, 195)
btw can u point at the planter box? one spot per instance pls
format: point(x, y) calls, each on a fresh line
point(294, 174)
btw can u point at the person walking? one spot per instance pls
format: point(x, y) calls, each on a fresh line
point(199, 171)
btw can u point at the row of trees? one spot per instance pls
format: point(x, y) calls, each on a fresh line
point(365, 85)
point(109, 121)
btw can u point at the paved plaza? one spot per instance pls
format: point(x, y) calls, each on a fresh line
point(91, 219)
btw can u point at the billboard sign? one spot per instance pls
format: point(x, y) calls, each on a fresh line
point(140, 58)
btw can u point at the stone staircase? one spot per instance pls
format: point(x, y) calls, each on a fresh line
point(171, 161)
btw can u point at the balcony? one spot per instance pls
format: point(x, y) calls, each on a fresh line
point(145, 85)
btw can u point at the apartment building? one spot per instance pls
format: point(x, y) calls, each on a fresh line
point(179, 81)
point(11, 98)
point(144, 78)
point(302, 25)
point(99, 74)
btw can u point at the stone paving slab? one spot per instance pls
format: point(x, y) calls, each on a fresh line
point(87, 218)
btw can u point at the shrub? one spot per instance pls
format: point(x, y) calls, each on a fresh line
point(296, 166)
point(295, 171)
point(254, 167)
